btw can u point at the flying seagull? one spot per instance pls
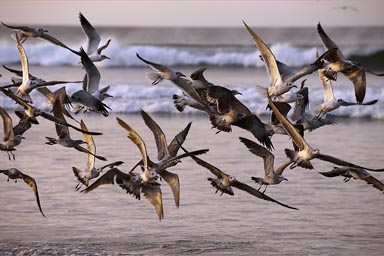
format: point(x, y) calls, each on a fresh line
point(224, 182)
point(272, 176)
point(90, 172)
point(338, 63)
point(15, 174)
point(94, 39)
point(305, 152)
point(356, 173)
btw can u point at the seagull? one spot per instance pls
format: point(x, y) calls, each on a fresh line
point(151, 170)
point(133, 185)
point(64, 138)
point(93, 49)
point(330, 102)
point(224, 182)
point(36, 33)
point(166, 152)
point(60, 95)
point(160, 72)
point(307, 120)
point(221, 99)
point(15, 174)
point(90, 97)
point(10, 139)
point(355, 173)
point(198, 82)
point(277, 85)
point(338, 63)
point(228, 111)
point(305, 152)
point(272, 176)
point(90, 172)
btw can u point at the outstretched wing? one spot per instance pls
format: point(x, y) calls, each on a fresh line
point(32, 183)
point(257, 193)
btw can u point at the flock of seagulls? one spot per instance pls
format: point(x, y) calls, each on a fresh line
point(221, 105)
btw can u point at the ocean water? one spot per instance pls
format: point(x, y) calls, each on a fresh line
point(335, 218)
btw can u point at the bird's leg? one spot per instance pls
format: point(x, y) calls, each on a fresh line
point(346, 179)
point(78, 186)
point(14, 158)
point(265, 189)
point(9, 157)
point(8, 179)
point(261, 184)
point(293, 165)
point(157, 80)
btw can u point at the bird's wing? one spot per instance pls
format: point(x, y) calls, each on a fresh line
point(268, 57)
point(327, 42)
point(155, 66)
point(334, 173)
point(178, 140)
point(111, 165)
point(254, 125)
point(90, 146)
point(32, 183)
point(114, 176)
point(55, 41)
point(153, 193)
point(7, 124)
point(284, 109)
point(258, 194)
point(261, 151)
point(173, 181)
point(135, 138)
point(290, 129)
point(93, 74)
point(18, 72)
point(93, 37)
point(21, 28)
point(327, 85)
point(16, 98)
point(341, 162)
point(161, 140)
point(61, 130)
point(47, 93)
point(374, 182)
point(214, 170)
point(23, 59)
point(358, 78)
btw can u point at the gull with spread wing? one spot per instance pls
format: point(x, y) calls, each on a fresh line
point(330, 102)
point(90, 172)
point(94, 39)
point(338, 63)
point(305, 152)
point(224, 182)
point(90, 97)
point(15, 174)
point(356, 173)
point(272, 176)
